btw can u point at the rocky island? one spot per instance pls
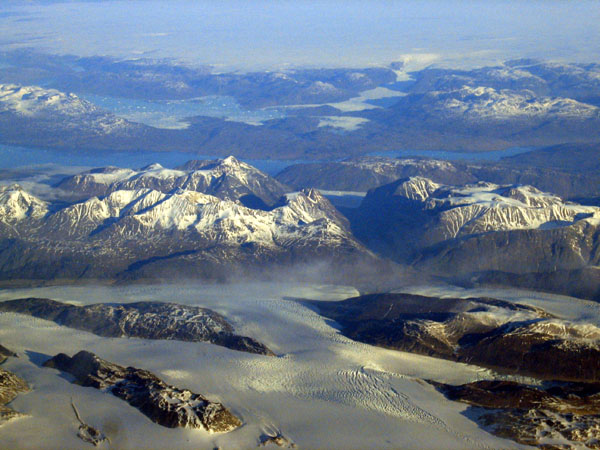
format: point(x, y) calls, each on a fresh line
point(165, 405)
point(147, 320)
point(508, 337)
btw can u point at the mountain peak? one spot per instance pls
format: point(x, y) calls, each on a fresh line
point(230, 160)
point(227, 179)
point(153, 166)
point(416, 188)
point(17, 204)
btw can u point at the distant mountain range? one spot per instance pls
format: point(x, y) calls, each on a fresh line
point(227, 179)
point(569, 170)
point(519, 103)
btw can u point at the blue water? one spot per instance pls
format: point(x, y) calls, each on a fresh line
point(495, 155)
point(171, 113)
point(11, 157)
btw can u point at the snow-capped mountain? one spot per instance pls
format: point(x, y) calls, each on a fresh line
point(227, 179)
point(19, 211)
point(37, 103)
point(486, 207)
point(478, 227)
point(576, 81)
point(133, 214)
point(460, 211)
point(108, 234)
point(416, 188)
point(145, 212)
point(484, 103)
point(35, 100)
point(16, 204)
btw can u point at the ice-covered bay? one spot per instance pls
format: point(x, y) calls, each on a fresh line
point(322, 390)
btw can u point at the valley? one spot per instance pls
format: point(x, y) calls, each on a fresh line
point(303, 225)
point(318, 377)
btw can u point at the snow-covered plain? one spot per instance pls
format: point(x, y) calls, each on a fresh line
point(321, 391)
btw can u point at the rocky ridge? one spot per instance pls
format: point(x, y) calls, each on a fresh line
point(551, 416)
point(10, 386)
point(164, 404)
point(507, 337)
point(147, 320)
point(227, 179)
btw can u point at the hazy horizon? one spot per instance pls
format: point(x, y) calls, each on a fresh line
point(237, 35)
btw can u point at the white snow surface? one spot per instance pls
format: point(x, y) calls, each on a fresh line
point(361, 102)
point(305, 218)
point(479, 102)
point(358, 103)
point(17, 204)
point(321, 391)
point(72, 111)
point(114, 178)
point(483, 207)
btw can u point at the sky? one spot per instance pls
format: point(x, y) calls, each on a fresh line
point(275, 34)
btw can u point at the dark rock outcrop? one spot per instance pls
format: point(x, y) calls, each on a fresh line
point(164, 404)
point(147, 320)
point(10, 386)
point(469, 232)
point(542, 416)
point(5, 353)
point(507, 337)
